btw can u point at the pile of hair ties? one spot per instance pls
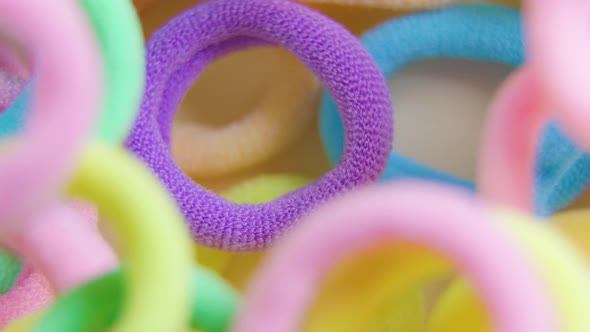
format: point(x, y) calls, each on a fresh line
point(119, 211)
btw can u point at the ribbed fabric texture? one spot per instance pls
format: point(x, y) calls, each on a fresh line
point(182, 48)
point(484, 32)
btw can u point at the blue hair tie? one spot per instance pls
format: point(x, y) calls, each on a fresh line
point(485, 32)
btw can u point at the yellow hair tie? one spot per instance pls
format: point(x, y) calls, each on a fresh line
point(561, 265)
point(156, 244)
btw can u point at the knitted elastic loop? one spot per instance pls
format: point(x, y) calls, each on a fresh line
point(483, 32)
point(507, 155)
point(204, 33)
point(281, 116)
point(119, 32)
point(395, 214)
point(63, 108)
point(563, 268)
point(60, 244)
point(98, 303)
point(158, 254)
point(557, 37)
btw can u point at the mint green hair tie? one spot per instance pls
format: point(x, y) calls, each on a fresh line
point(96, 305)
point(119, 33)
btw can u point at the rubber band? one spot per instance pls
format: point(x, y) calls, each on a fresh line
point(514, 123)
point(483, 32)
point(559, 60)
point(125, 70)
point(332, 54)
point(561, 265)
point(62, 263)
point(64, 260)
point(122, 47)
point(98, 303)
point(158, 251)
point(395, 214)
point(66, 118)
point(276, 121)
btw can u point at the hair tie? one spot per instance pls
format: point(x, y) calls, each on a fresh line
point(124, 59)
point(561, 265)
point(483, 32)
point(158, 254)
point(214, 28)
point(63, 263)
point(514, 123)
point(66, 117)
point(394, 213)
point(97, 304)
point(123, 50)
point(556, 36)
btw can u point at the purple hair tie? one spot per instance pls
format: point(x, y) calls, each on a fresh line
point(180, 50)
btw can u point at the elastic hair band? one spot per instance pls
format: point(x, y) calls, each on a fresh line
point(557, 36)
point(395, 213)
point(157, 249)
point(58, 246)
point(182, 48)
point(561, 265)
point(36, 166)
point(483, 32)
point(122, 47)
point(96, 305)
point(281, 116)
point(124, 57)
point(515, 120)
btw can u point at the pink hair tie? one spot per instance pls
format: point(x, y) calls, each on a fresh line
point(63, 108)
point(79, 256)
point(558, 41)
point(452, 224)
point(551, 85)
point(36, 168)
point(514, 125)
